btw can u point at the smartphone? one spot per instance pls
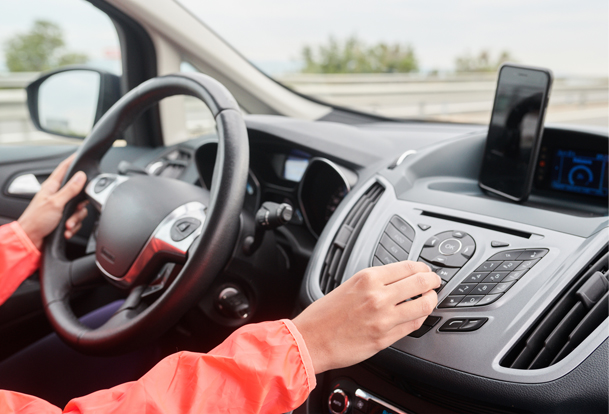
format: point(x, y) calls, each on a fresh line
point(514, 134)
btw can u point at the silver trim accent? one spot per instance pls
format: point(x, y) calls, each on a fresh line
point(24, 185)
point(369, 397)
point(341, 174)
point(161, 242)
point(401, 159)
point(98, 200)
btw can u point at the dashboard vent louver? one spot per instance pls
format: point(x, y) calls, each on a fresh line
point(567, 323)
point(342, 245)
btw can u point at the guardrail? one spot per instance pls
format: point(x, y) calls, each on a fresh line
point(458, 98)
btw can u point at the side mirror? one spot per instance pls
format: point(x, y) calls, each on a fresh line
point(69, 101)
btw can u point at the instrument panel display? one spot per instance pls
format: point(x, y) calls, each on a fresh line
point(580, 172)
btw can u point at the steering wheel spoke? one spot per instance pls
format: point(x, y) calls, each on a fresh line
point(84, 272)
point(169, 242)
point(99, 188)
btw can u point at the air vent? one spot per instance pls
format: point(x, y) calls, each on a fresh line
point(345, 238)
point(567, 323)
point(171, 165)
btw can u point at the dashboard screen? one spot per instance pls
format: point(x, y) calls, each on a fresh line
point(580, 172)
point(294, 167)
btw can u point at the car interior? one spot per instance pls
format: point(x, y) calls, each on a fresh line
point(255, 221)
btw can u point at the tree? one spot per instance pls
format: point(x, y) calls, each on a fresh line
point(39, 49)
point(353, 56)
point(482, 62)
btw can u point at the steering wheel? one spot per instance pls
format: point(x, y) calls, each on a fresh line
point(148, 221)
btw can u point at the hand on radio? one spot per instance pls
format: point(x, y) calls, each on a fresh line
point(367, 313)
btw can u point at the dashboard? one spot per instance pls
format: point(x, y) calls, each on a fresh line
point(521, 323)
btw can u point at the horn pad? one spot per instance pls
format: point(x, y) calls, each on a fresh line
point(132, 213)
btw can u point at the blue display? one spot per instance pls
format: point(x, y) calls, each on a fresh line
point(580, 172)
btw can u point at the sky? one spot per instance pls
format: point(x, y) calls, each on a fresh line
point(570, 37)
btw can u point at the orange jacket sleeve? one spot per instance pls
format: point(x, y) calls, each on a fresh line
point(19, 258)
point(260, 368)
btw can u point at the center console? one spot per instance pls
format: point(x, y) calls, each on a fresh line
point(524, 291)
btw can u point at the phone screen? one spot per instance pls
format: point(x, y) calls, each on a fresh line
point(515, 131)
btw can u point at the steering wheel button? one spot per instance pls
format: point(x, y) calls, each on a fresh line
point(488, 266)
point(376, 261)
point(449, 247)
point(102, 184)
point(496, 243)
point(495, 277)
point(423, 226)
point(475, 277)
point(183, 228)
point(431, 242)
point(470, 301)
point(451, 301)
point(458, 234)
point(531, 254)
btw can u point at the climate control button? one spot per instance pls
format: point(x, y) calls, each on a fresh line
point(338, 403)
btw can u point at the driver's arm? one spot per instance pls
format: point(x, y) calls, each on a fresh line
point(21, 241)
point(270, 367)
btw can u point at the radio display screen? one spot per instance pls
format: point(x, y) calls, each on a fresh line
point(581, 172)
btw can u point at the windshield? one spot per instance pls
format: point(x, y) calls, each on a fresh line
point(434, 60)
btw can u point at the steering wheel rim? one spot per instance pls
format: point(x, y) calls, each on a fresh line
point(129, 327)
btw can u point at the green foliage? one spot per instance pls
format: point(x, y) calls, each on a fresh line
point(482, 62)
point(353, 56)
point(39, 49)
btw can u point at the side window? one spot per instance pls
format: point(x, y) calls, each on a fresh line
point(198, 118)
point(40, 35)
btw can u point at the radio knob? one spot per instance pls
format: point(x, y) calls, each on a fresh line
point(338, 403)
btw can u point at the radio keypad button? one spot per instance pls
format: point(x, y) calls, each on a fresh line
point(475, 277)
point(531, 254)
point(495, 277)
point(488, 266)
point(508, 255)
point(502, 287)
point(464, 288)
point(469, 301)
point(483, 288)
point(451, 301)
point(393, 248)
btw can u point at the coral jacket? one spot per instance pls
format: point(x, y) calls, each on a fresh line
point(260, 368)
